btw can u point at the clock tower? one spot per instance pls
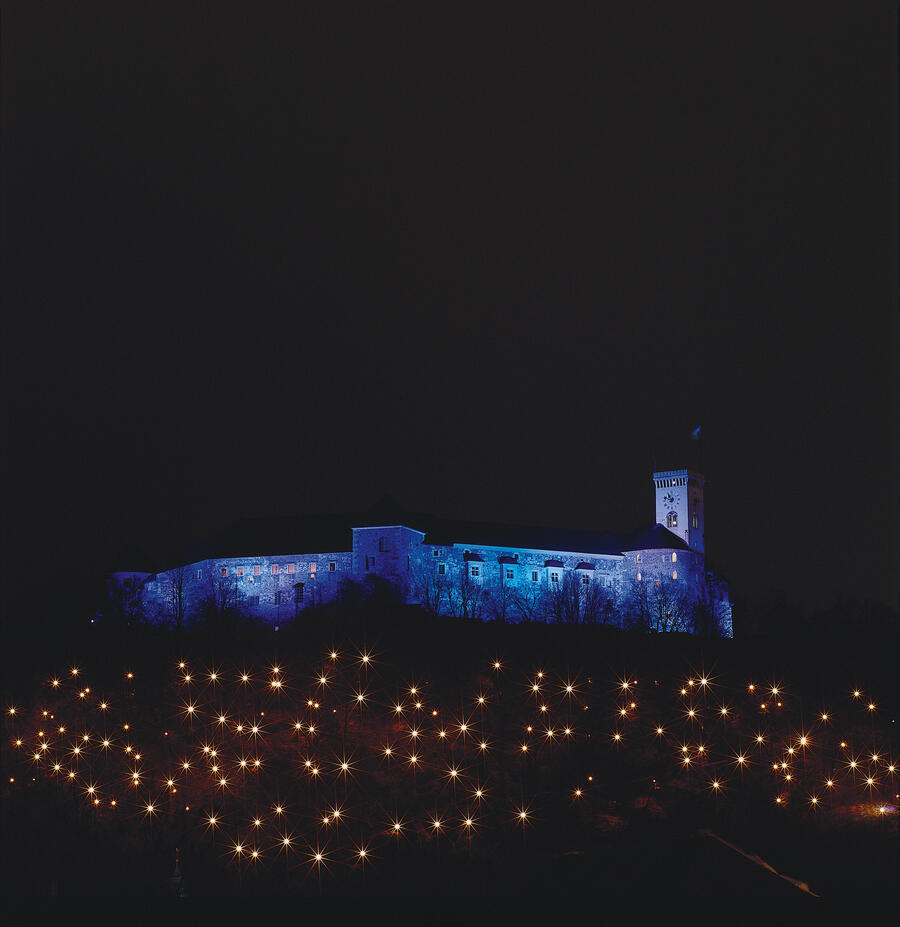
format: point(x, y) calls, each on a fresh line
point(679, 505)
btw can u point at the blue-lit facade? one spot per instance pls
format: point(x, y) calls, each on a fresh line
point(655, 578)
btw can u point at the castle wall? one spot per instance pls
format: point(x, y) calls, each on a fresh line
point(512, 584)
point(272, 588)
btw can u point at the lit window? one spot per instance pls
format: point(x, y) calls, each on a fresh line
point(224, 571)
point(312, 568)
point(476, 571)
point(674, 574)
point(655, 582)
point(290, 568)
point(672, 520)
point(694, 521)
point(639, 558)
point(256, 571)
point(639, 576)
point(674, 557)
point(332, 566)
point(441, 569)
point(534, 576)
point(240, 571)
point(274, 568)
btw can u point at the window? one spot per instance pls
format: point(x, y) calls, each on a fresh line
point(381, 547)
point(509, 573)
point(554, 577)
point(442, 569)
point(312, 569)
point(674, 574)
point(199, 574)
point(476, 571)
point(253, 600)
point(585, 579)
point(672, 520)
point(639, 576)
point(694, 521)
point(274, 568)
point(290, 568)
point(298, 593)
point(436, 552)
point(655, 582)
point(256, 571)
point(240, 571)
point(367, 561)
point(224, 571)
point(674, 557)
point(534, 576)
point(639, 558)
point(278, 597)
point(332, 566)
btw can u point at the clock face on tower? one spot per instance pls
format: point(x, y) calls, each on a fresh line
point(671, 499)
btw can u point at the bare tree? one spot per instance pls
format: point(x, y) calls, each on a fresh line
point(429, 586)
point(175, 595)
point(127, 600)
point(711, 613)
point(596, 602)
point(671, 606)
point(222, 598)
point(530, 601)
point(503, 597)
point(471, 594)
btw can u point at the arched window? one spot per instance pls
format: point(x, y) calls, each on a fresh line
point(672, 520)
point(674, 574)
point(674, 557)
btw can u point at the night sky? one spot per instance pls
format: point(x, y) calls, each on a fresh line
point(278, 258)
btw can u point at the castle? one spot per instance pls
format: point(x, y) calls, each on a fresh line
point(655, 578)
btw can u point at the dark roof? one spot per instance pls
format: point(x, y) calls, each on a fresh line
point(446, 532)
point(261, 537)
point(505, 558)
point(652, 537)
point(553, 563)
point(584, 565)
point(468, 555)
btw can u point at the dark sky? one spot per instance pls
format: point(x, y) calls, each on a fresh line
point(285, 257)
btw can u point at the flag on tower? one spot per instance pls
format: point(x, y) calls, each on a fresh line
point(695, 434)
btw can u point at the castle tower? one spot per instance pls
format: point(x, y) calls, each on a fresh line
point(679, 504)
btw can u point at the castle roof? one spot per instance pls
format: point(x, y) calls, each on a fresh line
point(652, 537)
point(260, 537)
point(490, 534)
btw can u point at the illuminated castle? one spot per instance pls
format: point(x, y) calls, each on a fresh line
point(655, 577)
